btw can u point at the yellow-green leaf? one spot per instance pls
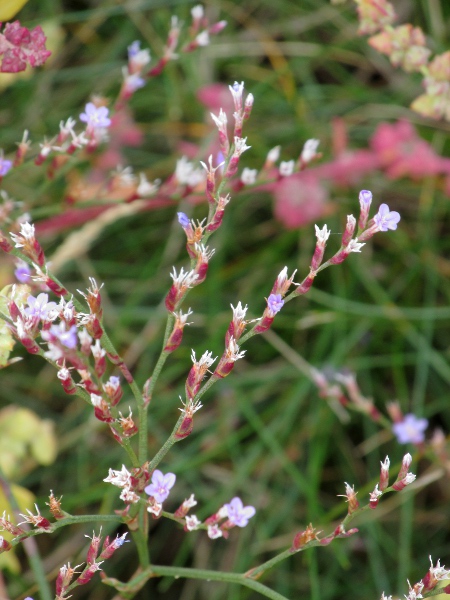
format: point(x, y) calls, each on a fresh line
point(9, 8)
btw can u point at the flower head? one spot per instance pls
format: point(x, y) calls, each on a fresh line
point(160, 486)
point(386, 219)
point(5, 166)
point(410, 430)
point(275, 303)
point(239, 514)
point(95, 117)
point(365, 198)
point(41, 308)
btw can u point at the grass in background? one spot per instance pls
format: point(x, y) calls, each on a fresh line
point(263, 433)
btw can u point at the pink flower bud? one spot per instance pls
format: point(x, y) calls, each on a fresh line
point(216, 221)
point(88, 573)
point(306, 284)
point(400, 485)
point(384, 474)
point(92, 552)
point(406, 463)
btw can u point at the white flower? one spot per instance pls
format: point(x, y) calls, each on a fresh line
point(184, 279)
point(248, 176)
point(214, 532)
point(322, 234)
point(354, 246)
point(192, 523)
point(221, 120)
point(273, 155)
point(240, 146)
point(309, 150)
point(119, 478)
point(205, 361)
point(202, 38)
point(286, 168)
point(145, 188)
point(197, 12)
point(128, 496)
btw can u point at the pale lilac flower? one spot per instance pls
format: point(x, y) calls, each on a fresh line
point(410, 430)
point(67, 337)
point(5, 166)
point(386, 219)
point(134, 48)
point(160, 486)
point(275, 303)
point(132, 82)
point(41, 308)
point(365, 198)
point(183, 220)
point(119, 541)
point(22, 271)
point(239, 514)
point(139, 58)
point(95, 117)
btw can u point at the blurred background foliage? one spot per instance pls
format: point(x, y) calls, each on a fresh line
point(263, 433)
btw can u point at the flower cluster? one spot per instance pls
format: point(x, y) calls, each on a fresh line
point(20, 46)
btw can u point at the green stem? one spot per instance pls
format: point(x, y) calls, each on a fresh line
point(160, 571)
point(143, 407)
point(140, 539)
point(166, 447)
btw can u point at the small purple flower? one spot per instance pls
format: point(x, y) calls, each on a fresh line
point(134, 49)
point(275, 303)
point(365, 198)
point(41, 308)
point(183, 220)
point(95, 117)
point(67, 338)
point(134, 82)
point(22, 271)
point(239, 514)
point(410, 430)
point(386, 219)
point(5, 166)
point(160, 486)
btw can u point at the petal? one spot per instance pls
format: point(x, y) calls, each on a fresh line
point(169, 480)
point(236, 504)
point(248, 512)
point(157, 478)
